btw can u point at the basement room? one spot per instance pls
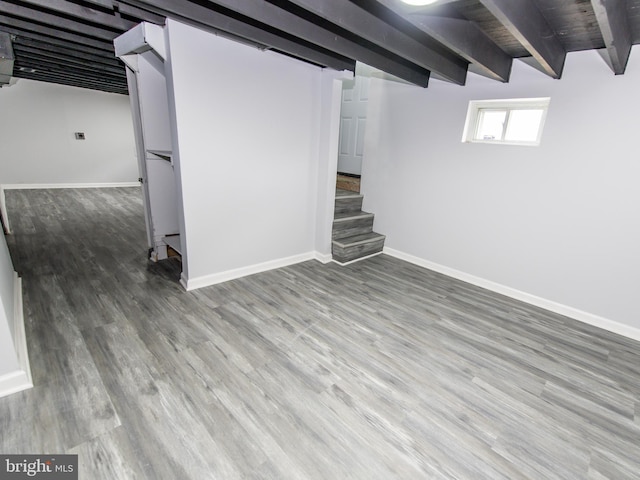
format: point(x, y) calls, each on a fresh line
point(320, 239)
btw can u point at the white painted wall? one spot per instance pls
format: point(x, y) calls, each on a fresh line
point(327, 160)
point(246, 132)
point(37, 125)
point(8, 358)
point(15, 372)
point(560, 221)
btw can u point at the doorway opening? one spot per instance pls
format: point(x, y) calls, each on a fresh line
point(353, 121)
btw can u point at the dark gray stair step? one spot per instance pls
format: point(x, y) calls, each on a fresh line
point(348, 224)
point(348, 202)
point(341, 192)
point(357, 246)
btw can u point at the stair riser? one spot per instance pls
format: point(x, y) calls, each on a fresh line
point(349, 228)
point(348, 205)
point(349, 253)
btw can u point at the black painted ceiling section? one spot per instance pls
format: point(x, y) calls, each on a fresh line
point(71, 41)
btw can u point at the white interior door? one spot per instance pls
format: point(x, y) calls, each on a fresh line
point(353, 120)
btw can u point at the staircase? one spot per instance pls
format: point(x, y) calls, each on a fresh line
point(353, 236)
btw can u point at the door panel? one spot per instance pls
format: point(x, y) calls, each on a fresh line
point(353, 120)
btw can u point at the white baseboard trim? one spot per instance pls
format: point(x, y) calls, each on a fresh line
point(38, 186)
point(19, 335)
point(323, 257)
point(14, 382)
point(576, 314)
point(20, 379)
point(344, 264)
point(207, 280)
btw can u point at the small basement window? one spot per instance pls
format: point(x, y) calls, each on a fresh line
point(510, 122)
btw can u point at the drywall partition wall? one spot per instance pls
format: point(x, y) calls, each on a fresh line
point(559, 222)
point(15, 374)
point(37, 135)
point(7, 306)
point(324, 179)
point(245, 150)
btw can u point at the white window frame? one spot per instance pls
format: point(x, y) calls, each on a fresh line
point(477, 106)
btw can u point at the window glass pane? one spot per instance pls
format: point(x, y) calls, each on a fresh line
point(490, 124)
point(523, 125)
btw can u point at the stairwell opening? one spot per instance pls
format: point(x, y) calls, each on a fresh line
point(353, 237)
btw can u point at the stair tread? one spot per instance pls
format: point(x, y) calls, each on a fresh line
point(360, 238)
point(351, 214)
point(341, 193)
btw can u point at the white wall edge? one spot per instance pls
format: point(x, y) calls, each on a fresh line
point(37, 186)
point(207, 280)
point(18, 380)
point(3, 210)
point(576, 314)
point(20, 337)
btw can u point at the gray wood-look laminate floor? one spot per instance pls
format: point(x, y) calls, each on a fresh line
point(377, 370)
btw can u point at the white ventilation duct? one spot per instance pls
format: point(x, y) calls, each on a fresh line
point(6, 59)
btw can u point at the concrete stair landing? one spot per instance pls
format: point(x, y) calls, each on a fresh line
point(353, 236)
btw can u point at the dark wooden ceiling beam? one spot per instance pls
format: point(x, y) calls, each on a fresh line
point(85, 14)
point(616, 32)
point(81, 63)
point(139, 13)
point(61, 80)
point(43, 66)
point(527, 24)
point(211, 20)
point(6, 21)
point(39, 39)
point(45, 71)
point(106, 59)
point(467, 40)
point(102, 3)
point(461, 36)
point(352, 18)
point(49, 19)
point(289, 23)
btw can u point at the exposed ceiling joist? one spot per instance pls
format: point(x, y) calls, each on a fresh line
point(616, 32)
point(468, 41)
point(82, 62)
point(84, 13)
point(461, 36)
point(525, 22)
point(45, 41)
point(55, 77)
point(42, 65)
point(351, 17)
point(139, 13)
point(51, 31)
point(209, 19)
point(288, 22)
point(71, 41)
point(102, 3)
point(55, 21)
